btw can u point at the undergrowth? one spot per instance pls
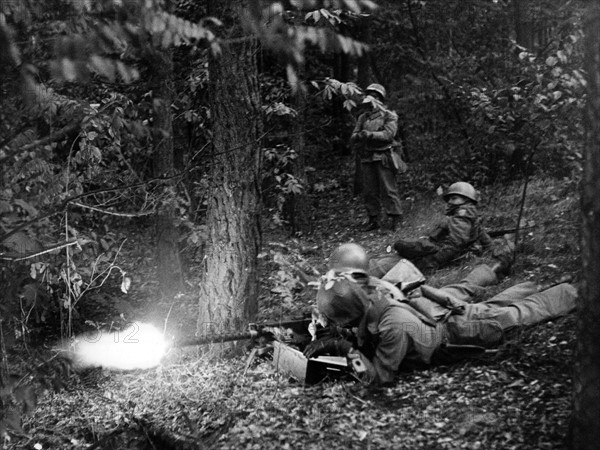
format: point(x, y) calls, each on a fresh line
point(200, 399)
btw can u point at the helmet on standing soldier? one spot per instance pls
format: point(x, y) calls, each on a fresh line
point(349, 258)
point(463, 189)
point(379, 89)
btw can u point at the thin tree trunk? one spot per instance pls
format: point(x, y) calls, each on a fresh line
point(363, 77)
point(298, 205)
point(229, 286)
point(363, 80)
point(169, 272)
point(523, 32)
point(585, 424)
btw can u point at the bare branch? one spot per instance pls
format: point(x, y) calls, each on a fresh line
point(113, 213)
point(21, 257)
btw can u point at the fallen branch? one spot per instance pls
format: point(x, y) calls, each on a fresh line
point(21, 256)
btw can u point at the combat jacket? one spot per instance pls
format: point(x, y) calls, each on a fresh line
point(382, 126)
point(461, 228)
point(392, 332)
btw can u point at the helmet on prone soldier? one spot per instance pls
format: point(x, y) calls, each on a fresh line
point(462, 189)
point(349, 258)
point(340, 303)
point(378, 89)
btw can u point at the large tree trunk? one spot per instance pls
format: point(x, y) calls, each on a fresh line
point(229, 286)
point(169, 273)
point(585, 425)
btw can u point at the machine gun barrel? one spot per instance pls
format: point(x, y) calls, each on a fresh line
point(255, 330)
point(215, 339)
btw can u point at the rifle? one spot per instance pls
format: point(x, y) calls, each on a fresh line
point(498, 233)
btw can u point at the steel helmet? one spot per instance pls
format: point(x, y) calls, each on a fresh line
point(377, 88)
point(340, 302)
point(463, 189)
point(349, 258)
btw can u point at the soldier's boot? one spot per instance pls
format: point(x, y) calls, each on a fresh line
point(373, 223)
point(567, 278)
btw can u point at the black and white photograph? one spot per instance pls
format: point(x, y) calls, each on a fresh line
point(300, 224)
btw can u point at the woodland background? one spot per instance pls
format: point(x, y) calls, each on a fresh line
point(187, 162)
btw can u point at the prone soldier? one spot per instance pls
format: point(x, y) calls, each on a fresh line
point(392, 330)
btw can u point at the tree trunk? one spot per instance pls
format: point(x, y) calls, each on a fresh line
point(523, 24)
point(363, 79)
point(297, 204)
point(363, 76)
point(169, 272)
point(585, 424)
point(229, 285)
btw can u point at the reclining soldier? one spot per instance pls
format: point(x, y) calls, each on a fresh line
point(460, 232)
point(391, 330)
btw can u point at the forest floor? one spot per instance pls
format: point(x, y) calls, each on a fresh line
point(520, 398)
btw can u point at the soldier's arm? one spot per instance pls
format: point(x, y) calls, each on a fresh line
point(439, 232)
point(460, 229)
point(390, 127)
point(389, 354)
point(358, 127)
point(485, 240)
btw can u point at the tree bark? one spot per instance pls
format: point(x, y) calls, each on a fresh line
point(297, 204)
point(169, 272)
point(229, 285)
point(585, 423)
point(363, 76)
point(523, 25)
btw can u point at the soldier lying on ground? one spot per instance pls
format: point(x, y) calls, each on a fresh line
point(460, 231)
point(390, 331)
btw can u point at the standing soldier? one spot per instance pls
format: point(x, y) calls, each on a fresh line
point(374, 137)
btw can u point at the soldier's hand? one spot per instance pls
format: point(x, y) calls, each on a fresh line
point(363, 134)
point(327, 346)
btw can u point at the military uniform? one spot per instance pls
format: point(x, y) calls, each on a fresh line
point(378, 171)
point(456, 235)
point(391, 334)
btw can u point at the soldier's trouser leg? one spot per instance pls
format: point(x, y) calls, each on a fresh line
point(413, 249)
point(535, 307)
point(389, 191)
point(511, 310)
point(473, 284)
point(378, 267)
point(444, 256)
point(371, 188)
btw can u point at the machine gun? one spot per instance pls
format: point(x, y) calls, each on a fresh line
point(291, 331)
point(284, 340)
